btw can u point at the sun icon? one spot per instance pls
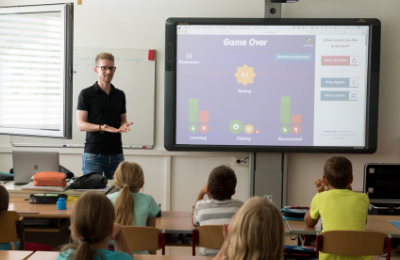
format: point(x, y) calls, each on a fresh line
point(245, 75)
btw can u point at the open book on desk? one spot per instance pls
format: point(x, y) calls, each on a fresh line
point(30, 186)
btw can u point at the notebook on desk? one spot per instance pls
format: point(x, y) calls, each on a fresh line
point(27, 163)
point(30, 186)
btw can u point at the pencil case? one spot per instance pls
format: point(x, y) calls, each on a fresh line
point(45, 198)
point(57, 179)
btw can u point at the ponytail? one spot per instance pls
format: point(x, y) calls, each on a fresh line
point(124, 207)
point(83, 251)
point(92, 221)
point(128, 178)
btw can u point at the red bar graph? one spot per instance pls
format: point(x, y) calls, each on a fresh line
point(203, 116)
point(296, 119)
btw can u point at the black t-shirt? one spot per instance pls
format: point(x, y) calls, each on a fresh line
point(103, 109)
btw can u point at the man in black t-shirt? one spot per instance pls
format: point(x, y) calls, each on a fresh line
point(102, 114)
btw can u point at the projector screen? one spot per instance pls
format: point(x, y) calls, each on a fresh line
point(291, 85)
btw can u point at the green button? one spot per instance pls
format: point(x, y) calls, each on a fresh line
point(235, 126)
point(193, 128)
point(285, 129)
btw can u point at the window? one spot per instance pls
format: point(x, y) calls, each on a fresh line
point(36, 47)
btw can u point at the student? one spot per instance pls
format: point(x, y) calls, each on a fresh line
point(339, 207)
point(221, 207)
point(131, 207)
point(4, 201)
point(92, 226)
point(255, 232)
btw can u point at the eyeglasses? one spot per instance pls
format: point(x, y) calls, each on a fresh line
point(105, 68)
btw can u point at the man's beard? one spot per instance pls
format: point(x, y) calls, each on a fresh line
point(104, 79)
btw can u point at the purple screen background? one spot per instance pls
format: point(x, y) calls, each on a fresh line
point(214, 84)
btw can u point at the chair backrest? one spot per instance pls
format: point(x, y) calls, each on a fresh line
point(209, 236)
point(144, 238)
point(353, 243)
point(11, 226)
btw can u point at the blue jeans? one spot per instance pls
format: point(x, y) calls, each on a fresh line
point(107, 163)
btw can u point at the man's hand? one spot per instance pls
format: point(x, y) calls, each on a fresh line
point(125, 127)
point(320, 185)
point(110, 129)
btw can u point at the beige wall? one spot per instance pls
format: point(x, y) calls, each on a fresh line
point(303, 169)
point(174, 178)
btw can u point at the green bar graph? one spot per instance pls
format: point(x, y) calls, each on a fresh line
point(285, 110)
point(193, 110)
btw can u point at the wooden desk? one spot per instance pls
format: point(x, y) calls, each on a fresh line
point(15, 255)
point(53, 256)
point(299, 227)
point(384, 227)
point(175, 222)
point(41, 255)
point(28, 210)
point(383, 217)
point(373, 224)
point(15, 191)
point(170, 221)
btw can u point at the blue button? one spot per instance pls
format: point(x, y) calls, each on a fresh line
point(293, 56)
point(335, 82)
point(334, 95)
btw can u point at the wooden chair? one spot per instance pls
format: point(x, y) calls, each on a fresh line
point(12, 228)
point(145, 238)
point(209, 236)
point(354, 243)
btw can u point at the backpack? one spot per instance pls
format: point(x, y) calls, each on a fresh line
point(94, 180)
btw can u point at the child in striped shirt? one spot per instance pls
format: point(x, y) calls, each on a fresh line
point(220, 208)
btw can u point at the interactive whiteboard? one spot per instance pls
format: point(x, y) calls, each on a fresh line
point(277, 85)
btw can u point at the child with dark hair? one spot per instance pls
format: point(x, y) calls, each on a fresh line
point(220, 208)
point(338, 206)
point(4, 201)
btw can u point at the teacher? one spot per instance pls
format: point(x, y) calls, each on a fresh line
point(102, 114)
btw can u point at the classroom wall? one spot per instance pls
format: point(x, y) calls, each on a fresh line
point(303, 169)
point(175, 178)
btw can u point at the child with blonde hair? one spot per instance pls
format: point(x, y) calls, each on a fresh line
point(255, 233)
point(92, 226)
point(131, 207)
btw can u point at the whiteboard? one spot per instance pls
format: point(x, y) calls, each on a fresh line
point(135, 75)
